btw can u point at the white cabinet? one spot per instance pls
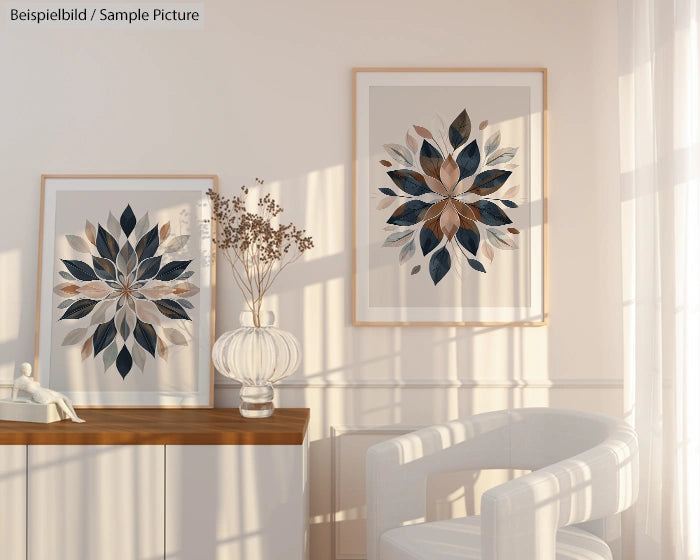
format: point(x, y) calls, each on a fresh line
point(13, 507)
point(95, 501)
point(236, 502)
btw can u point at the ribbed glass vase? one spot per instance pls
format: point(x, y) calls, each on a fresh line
point(256, 357)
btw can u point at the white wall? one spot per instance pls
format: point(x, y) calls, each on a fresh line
point(265, 90)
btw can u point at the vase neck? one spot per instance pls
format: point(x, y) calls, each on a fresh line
point(267, 319)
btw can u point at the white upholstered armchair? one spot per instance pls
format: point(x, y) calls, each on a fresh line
point(584, 467)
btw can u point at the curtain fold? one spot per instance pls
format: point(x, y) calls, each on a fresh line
point(659, 77)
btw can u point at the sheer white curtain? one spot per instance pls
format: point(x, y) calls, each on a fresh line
point(659, 58)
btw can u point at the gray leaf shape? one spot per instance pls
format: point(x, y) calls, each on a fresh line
point(66, 303)
point(74, 337)
point(113, 226)
point(502, 156)
point(500, 240)
point(66, 275)
point(109, 356)
point(175, 244)
point(175, 336)
point(407, 251)
point(397, 238)
point(415, 270)
point(492, 143)
point(399, 154)
point(141, 227)
point(78, 243)
point(139, 356)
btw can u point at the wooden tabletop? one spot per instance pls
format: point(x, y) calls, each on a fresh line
point(162, 426)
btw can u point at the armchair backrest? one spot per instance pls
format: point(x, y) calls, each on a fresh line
point(584, 467)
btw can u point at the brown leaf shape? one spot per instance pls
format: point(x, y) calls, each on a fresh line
point(435, 210)
point(186, 289)
point(513, 230)
point(436, 186)
point(449, 221)
point(449, 173)
point(90, 232)
point(423, 132)
point(483, 125)
point(66, 289)
point(162, 349)
point(412, 143)
point(385, 163)
point(464, 210)
point(86, 350)
point(164, 230)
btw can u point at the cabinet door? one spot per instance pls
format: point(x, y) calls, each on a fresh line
point(236, 502)
point(13, 504)
point(95, 501)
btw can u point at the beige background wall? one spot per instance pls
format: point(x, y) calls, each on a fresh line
point(265, 90)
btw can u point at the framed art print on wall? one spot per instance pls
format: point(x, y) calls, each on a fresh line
point(125, 299)
point(449, 196)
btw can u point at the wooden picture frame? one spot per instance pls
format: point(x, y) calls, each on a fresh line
point(125, 293)
point(449, 196)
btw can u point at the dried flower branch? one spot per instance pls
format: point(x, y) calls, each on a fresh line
point(256, 250)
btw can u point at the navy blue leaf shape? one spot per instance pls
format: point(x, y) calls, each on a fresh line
point(440, 264)
point(468, 160)
point(148, 268)
point(409, 213)
point(430, 160)
point(145, 335)
point(103, 336)
point(81, 270)
point(490, 213)
point(148, 244)
point(172, 270)
point(430, 236)
point(79, 309)
point(387, 192)
point(171, 309)
point(488, 182)
point(476, 265)
point(127, 220)
point(468, 236)
point(460, 129)
point(106, 244)
point(104, 268)
point(509, 203)
point(410, 182)
point(124, 362)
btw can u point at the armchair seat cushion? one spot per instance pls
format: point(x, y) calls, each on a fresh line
point(460, 539)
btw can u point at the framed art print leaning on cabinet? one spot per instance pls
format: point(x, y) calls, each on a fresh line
point(449, 196)
point(125, 298)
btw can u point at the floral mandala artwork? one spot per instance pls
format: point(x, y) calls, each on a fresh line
point(454, 203)
point(126, 296)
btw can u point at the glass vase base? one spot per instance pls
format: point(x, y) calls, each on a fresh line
point(256, 401)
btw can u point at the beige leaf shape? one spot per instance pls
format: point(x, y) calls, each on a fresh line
point(462, 186)
point(90, 232)
point(436, 186)
point(162, 349)
point(175, 336)
point(66, 289)
point(385, 202)
point(500, 240)
point(113, 226)
point(99, 314)
point(511, 192)
point(449, 173)
point(511, 166)
point(164, 231)
point(141, 227)
point(95, 289)
point(483, 125)
point(186, 289)
point(148, 312)
point(78, 243)
point(488, 251)
point(412, 143)
point(139, 356)
point(86, 350)
point(423, 132)
point(74, 337)
point(449, 221)
point(175, 244)
point(157, 292)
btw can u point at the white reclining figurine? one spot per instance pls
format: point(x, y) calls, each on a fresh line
point(39, 394)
